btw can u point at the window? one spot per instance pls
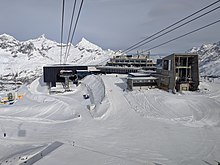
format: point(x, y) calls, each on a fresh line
point(165, 64)
point(183, 61)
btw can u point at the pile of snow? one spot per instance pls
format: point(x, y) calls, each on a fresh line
point(96, 90)
point(209, 58)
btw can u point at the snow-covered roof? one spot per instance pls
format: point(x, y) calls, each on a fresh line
point(142, 78)
point(139, 74)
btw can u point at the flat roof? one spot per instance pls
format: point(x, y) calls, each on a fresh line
point(115, 67)
point(139, 74)
point(142, 78)
point(61, 65)
point(180, 54)
point(92, 68)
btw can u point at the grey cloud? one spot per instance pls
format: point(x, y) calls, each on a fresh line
point(114, 24)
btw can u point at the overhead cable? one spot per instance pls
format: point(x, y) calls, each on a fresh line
point(175, 28)
point(70, 29)
point(203, 27)
point(77, 19)
point(171, 25)
point(61, 39)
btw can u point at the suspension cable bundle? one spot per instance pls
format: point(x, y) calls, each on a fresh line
point(71, 30)
point(146, 40)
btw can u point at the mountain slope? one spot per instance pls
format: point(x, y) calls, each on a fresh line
point(24, 60)
point(209, 58)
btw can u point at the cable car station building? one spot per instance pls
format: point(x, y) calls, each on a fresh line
point(176, 72)
point(62, 73)
point(179, 72)
point(141, 61)
point(141, 81)
point(128, 64)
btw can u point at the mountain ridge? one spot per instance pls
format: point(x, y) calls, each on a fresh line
point(209, 58)
point(23, 60)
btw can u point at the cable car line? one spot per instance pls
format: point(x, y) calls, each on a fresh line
point(203, 27)
point(70, 28)
point(61, 39)
point(174, 28)
point(77, 19)
point(125, 50)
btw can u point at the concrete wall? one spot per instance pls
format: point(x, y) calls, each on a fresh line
point(167, 75)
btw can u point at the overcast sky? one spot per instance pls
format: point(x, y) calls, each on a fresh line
point(113, 24)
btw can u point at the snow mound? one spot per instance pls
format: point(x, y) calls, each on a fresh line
point(96, 90)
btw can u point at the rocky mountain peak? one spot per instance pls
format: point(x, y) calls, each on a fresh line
point(26, 58)
point(6, 38)
point(85, 44)
point(209, 58)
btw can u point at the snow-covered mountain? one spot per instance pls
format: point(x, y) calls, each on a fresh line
point(24, 60)
point(209, 58)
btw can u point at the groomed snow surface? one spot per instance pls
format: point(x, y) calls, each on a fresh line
point(114, 126)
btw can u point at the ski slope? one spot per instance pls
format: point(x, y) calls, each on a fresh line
point(125, 127)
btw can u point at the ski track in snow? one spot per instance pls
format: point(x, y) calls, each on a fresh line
point(139, 126)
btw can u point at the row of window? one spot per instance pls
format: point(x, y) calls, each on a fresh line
point(143, 81)
point(179, 61)
point(139, 61)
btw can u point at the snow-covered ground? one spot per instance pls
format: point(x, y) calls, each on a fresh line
point(125, 127)
point(114, 126)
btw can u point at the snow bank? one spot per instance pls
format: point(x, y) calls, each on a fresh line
point(96, 89)
point(38, 107)
point(38, 86)
point(189, 109)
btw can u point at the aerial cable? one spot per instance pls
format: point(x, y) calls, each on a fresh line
point(174, 28)
point(171, 25)
point(70, 29)
point(182, 35)
point(77, 19)
point(61, 39)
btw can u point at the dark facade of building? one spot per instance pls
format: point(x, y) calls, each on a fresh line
point(51, 73)
point(141, 82)
point(179, 72)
